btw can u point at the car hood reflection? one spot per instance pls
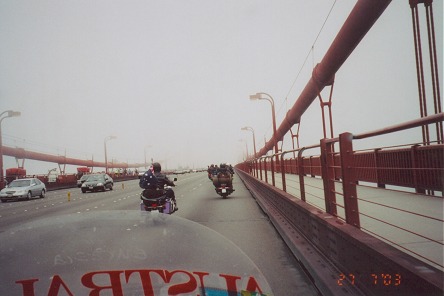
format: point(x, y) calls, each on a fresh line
point(123, 253)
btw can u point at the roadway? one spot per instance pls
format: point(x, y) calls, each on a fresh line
point(238, 218)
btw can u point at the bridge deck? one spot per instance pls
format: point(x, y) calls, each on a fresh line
point(411, 222)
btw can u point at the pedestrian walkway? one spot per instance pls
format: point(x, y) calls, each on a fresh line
point(411, 222)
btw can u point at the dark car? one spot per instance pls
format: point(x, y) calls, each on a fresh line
point(81, 180)
point(97, 182)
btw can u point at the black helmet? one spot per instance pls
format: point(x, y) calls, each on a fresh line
point(156, 167)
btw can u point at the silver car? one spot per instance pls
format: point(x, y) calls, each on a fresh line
point(23, 188)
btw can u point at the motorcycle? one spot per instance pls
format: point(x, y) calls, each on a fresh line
point(224, 190)
point(212, 175)
point(223, 184)
point(162, 204)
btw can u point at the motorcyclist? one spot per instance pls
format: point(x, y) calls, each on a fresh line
point(210, 171)
point(162, 180)
point(230, 168)
point(223, 176)
point(215, 171)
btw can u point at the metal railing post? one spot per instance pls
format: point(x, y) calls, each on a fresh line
point(327, 168)
point(414, 167)
point(272, 169)
point(349, 179)
point(301, 174)
point(377, 169)
point(260, 167)
point(266, 169)
point(283, 172)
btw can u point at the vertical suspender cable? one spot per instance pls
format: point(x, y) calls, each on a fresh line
point(434, 68)
point(420, 70)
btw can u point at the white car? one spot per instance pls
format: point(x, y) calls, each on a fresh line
point(23, 188)
point(141, 172)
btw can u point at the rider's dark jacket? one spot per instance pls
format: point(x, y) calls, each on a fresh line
point(162, 180)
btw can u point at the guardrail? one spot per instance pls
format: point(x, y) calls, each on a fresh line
point(326, 176)
point(419, 166)
point(340, 258)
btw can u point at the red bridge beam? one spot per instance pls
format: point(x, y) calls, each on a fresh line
point(24, 154)
point(361, 19)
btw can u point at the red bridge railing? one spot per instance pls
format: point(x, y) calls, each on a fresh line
point(338, 169)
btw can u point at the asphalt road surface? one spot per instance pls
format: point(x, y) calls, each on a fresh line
point(238, 218)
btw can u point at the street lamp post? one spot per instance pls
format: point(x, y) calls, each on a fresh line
point(247, 128)
point(265, 96)
point(106, 157)
point(9, 113)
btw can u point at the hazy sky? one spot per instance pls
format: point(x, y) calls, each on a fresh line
point(173, 77)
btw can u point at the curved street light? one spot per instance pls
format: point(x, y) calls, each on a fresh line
point(106, 157)
point(9, 113)
point(265, 96)
point(247, 128)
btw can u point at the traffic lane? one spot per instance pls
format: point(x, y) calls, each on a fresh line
point(70, 201)
point(240, 219)
point(124, 196)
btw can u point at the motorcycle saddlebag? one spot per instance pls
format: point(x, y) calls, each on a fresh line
point(167, 209)
point(222, 180)
point(152, 193)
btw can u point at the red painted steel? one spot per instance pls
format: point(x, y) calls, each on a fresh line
point(419, 167)
point(14, 173)
point(411, 166)
point(349, 179)
point(300, 169)
point(328, 177)
point(420, 67)
point(416, 166)
point(353, 252)
point(21, 153)
point(361, 19)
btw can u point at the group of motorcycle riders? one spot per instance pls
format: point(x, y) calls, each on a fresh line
point(222, 174)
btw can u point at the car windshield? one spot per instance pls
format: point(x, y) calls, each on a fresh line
point(20, 183)
point(93, 178)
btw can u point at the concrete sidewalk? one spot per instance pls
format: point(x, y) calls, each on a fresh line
point(410, 222)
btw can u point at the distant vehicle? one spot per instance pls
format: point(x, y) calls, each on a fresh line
point(23, 188)
point(15, 173)
point(52, 175)
point(141, 172)
point(180, 172)
point(81, 180)
point(96, 182)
